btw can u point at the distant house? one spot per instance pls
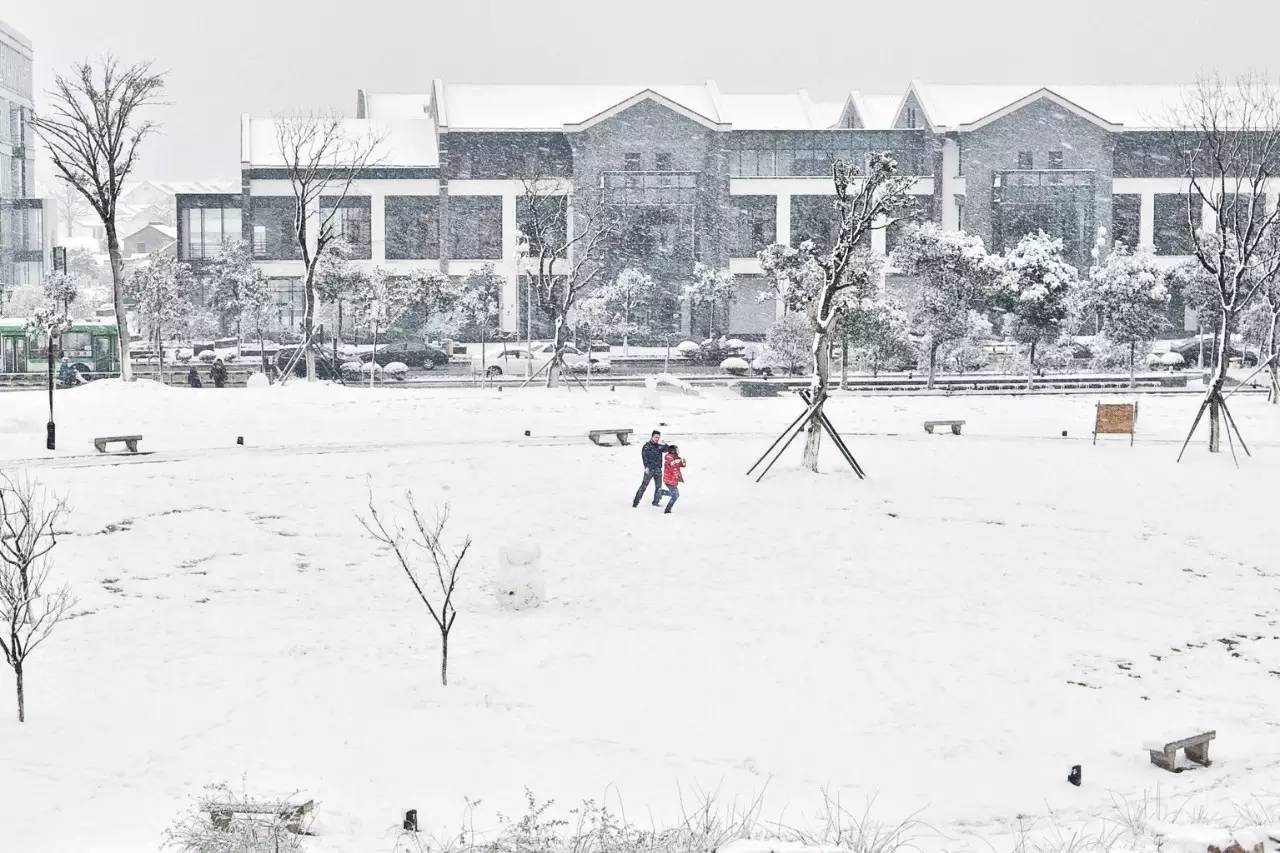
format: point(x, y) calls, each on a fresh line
point(152, 238)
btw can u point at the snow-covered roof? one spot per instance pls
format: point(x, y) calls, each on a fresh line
point(403, 142)
point(1130, 106)
point(381, 105)
point(212, 187)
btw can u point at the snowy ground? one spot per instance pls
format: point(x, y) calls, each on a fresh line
point(947, 637)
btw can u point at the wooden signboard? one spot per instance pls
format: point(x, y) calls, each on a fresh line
point(1116, 419)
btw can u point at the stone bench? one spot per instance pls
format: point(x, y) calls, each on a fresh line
point(293, 814)
point(955, 426)
point(622, 435)
point(1164, 755)
point(129, 441)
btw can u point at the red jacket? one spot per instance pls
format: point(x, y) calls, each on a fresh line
point(671, 473)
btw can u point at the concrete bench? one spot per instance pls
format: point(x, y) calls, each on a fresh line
point(955, 426)
point(622, 435)
point(129, 441)
point(221, 814)
point(1165, 755)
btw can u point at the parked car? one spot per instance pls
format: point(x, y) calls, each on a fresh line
point(519, 362)
point(1189, 349)
point(410, 353)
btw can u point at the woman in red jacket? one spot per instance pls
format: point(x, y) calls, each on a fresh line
point(672, 475)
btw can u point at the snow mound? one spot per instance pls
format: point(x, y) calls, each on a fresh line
point(258, 380)
point(519, 584)
point(736, 366)
point(667, 380)
point(687, 348)
point(1199, 837)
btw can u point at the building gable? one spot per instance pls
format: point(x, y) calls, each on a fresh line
point(647, 96)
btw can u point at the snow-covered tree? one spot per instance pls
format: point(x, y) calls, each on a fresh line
point(956, 276)
point(93, 127)
point(826, 285)
point(1199, 292)
point(321, 161)
point(337, 280)
point(1235, 158)
point(61, 289)
point(565, 263)
point(234, 274)
point(1036, 287)
point(880, 332)
point(379, 302)
point(479, 305)
point(711, 288)
point(1128, 293)
point(159, 290)
point(969, 352)
point(30, 606)
point(625, 297)
point(788, 341)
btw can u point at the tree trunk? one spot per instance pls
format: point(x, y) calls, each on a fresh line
point(122, 315)
point(1273, 394)
point(1222, 338)
point(557, 355)
point(444, 658)
point(373, 356)
point(309, 317)
point(933, 365)
point(22, 701)
point(1133, 378)
point(484, 365)
point(818, 394)
point(1031, 367)
point(844, 363)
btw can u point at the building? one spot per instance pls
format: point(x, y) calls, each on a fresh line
point(714, 177)
point(26, 223)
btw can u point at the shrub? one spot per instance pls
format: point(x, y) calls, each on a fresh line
point(735, 366)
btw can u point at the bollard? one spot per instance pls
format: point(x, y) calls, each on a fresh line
point(1074, 777)
point(411, 820)
point(240, 440)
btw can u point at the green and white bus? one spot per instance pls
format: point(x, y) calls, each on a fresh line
point(90, 346)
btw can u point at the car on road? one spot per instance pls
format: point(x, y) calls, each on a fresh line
point(410, 353)
point(521, 362)
point(1189, 349)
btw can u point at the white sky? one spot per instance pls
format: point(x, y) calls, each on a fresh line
point(263, 56)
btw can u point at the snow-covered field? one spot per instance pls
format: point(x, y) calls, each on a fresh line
point(947, 637)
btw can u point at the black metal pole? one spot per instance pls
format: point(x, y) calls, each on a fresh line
point(50, 439)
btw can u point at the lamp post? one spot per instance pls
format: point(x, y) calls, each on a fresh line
point(50, 440)
point(522, 252)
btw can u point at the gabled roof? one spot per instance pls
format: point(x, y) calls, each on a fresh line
point(706, 119)
point(405, 142)
point(1125, 106)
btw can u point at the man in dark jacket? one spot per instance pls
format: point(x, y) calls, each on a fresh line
point(218, 373)
point(651, 455)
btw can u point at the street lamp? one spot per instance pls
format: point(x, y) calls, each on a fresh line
point(522, 252)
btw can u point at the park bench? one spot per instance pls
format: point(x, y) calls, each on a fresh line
point(129, 441)
point(1164, 755)
point(622, 435)
point(221, 813)
point(955, 426)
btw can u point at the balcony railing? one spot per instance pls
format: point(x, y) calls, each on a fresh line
point(1044, 178)
point(655, 189)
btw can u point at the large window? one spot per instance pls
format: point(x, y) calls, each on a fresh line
point(754, 225)
point(1126, 211)
point(1172, 235)
point(412, 227)
point(812, 154)
point(206, 229)
point(350, 222)
point(271, 223)
point(813, 217)
point(475, 227)
point(289, 300)
point(542, 219)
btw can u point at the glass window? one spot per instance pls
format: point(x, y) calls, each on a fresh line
point(755, 225)
point(475, 227)
point(1055, 159)
point(272, 221)
point(1126, 211)
point(351, 222)
point(1172, 236)
point(412, 227)
point(663, 161)
point(631, 161)
point(1025, 160)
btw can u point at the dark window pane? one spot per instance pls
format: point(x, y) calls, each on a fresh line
point(1172, 235)
point(1125, 212)
point(475, 227)
point(412, 227)
point(755, 225)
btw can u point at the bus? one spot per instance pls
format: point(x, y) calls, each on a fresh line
point(90, 346)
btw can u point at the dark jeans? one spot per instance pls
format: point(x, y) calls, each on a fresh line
point(674, 491)
point(656, 477)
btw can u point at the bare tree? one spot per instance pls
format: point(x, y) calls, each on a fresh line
point(71, 206)
point(321, 160)
point(566, 238)
point(410, 546)
point(30, 608)
point(92, 130)
point(826, 285)
point(1235, 132)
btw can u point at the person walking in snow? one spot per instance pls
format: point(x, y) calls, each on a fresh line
point(218, 373)
point(651, 456)
point(193, 378)
point(672, 476)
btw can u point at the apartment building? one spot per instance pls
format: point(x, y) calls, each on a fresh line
point(26, 222)
point(713, 177)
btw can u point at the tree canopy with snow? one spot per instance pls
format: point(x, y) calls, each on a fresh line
point(1127, 291)
point(712, 287)
point(1035, 287)
point(956, 276)
point(236, 280)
